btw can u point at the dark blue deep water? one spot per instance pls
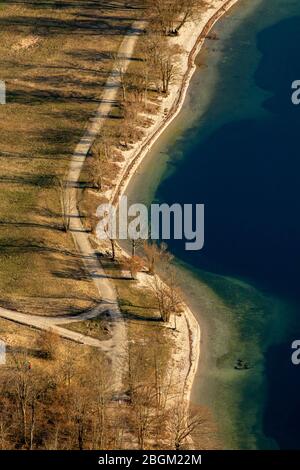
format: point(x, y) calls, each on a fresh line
point(240, 156)
point(246, 171)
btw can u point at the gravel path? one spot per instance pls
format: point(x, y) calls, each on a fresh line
point(108, 302)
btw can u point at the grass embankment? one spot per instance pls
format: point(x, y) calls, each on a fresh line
point(55, 60)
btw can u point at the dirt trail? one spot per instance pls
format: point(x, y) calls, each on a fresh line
point(108, 302)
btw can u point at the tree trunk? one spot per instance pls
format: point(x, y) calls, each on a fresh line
point(32, 425)
point(133, 248)
point(24, 423)
point(113, 249)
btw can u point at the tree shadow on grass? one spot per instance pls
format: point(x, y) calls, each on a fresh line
point(135, 316)
point(44, 226)
point(21, 245)
point(31, 352)
point(48, 26)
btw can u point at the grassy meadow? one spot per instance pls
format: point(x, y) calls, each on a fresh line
point(55, 58)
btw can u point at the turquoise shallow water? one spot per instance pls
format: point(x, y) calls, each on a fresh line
point(234, 148)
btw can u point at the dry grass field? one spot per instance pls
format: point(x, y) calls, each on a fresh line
point(55, 58)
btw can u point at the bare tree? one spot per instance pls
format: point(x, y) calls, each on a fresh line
point(156, 253)
point(183, 422)
point(163, 15)
point(138, 82)
point(65, 202)
point(103, 153)
point(67, 365)
point(149, 391)
point(52, 443)
point(113, 242)
point(149, 54)
point(48, 342)
point(80, 415)
point(161, 57)
point(28, 388)
point(130, 131)
point(121, 69)
point(143, 413)
point(169, 16)
point(163, 300)
point(168, 68)
point(189, 9)
point(173, 291)
point(134, 264)
point(100, 384)
point(99, 152)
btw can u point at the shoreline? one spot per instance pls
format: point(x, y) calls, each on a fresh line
point(188, 326)
point(175, 99)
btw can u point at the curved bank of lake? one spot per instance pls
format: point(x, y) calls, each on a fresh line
point(234, 147)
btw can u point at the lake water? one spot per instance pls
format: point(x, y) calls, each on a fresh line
point(235, 148)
